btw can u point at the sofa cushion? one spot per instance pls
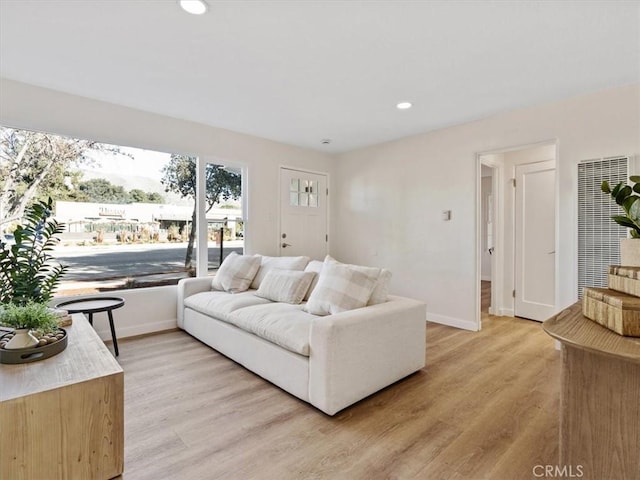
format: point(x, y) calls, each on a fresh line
point(236, 273)
point(314, 266)
point(281, 263)
point(287, 286)
point(280, 323)
point(342, 287)
point(380, 293)
point(221, 304)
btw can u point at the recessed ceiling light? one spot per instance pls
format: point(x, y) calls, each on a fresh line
point(403, 105)
point(195, 7)
point(325, 141)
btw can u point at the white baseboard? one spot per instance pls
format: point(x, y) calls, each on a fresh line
point(132, 331)
point(506, 312)
point(452, 322)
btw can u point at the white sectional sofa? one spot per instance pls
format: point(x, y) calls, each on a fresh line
point(330, 361)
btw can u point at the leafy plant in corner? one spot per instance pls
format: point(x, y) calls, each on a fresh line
point(627, 197)
point(27, 272)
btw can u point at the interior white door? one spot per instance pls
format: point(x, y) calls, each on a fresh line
point(535, 240)
point(303, 214)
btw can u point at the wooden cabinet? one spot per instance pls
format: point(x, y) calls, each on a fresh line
point(600, 397)
point(63, 417)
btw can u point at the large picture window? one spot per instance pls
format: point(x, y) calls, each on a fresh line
point(129, 213)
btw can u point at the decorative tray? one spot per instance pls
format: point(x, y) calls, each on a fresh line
point(33, 354)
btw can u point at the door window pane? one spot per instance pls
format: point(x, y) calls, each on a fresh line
point(303, 193)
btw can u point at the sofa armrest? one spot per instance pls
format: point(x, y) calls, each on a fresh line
point(188, 287)
point(356, 353)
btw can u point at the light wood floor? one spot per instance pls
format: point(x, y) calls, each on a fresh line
point(485, 296)
point(485, 407)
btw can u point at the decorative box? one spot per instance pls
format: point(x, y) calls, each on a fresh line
point(624, 279)
point(612, 309)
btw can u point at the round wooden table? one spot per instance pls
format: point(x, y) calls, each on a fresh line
point(91, 305)
point(599, 414)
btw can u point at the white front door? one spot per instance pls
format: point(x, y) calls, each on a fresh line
point(303, 214)
point(535, 240)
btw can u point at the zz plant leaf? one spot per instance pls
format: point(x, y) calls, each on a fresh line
point(627, 197)
point(27, 272)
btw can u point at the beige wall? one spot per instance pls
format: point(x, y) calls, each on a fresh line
point(388, 198)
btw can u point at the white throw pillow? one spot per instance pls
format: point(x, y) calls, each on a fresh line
point(342, 287)
point(381, 291)
point(314, 266)
point(236, 273)
point(287, 286)
point(281, 263)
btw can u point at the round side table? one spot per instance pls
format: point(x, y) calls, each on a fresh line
point(91, 305)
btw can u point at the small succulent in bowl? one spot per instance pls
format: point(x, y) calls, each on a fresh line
point(32, 315)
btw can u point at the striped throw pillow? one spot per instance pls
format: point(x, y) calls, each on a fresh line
point(236, 273)
point(287, 286)
point(342, 287)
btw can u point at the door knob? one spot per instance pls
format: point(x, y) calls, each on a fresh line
point(285, 245)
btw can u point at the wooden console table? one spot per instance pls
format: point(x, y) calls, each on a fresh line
point(63, 417)
point(600, 397)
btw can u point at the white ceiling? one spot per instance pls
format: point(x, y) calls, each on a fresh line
point(300, 71)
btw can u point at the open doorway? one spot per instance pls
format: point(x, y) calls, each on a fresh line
point(489, 223)
point(486, 238)
point(516, 234)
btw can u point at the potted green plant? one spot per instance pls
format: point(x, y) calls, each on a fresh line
point(627, 196)
point(28, 277)
point(27, 272)
point(25, 320)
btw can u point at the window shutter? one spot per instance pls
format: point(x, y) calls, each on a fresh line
point(598, 235)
